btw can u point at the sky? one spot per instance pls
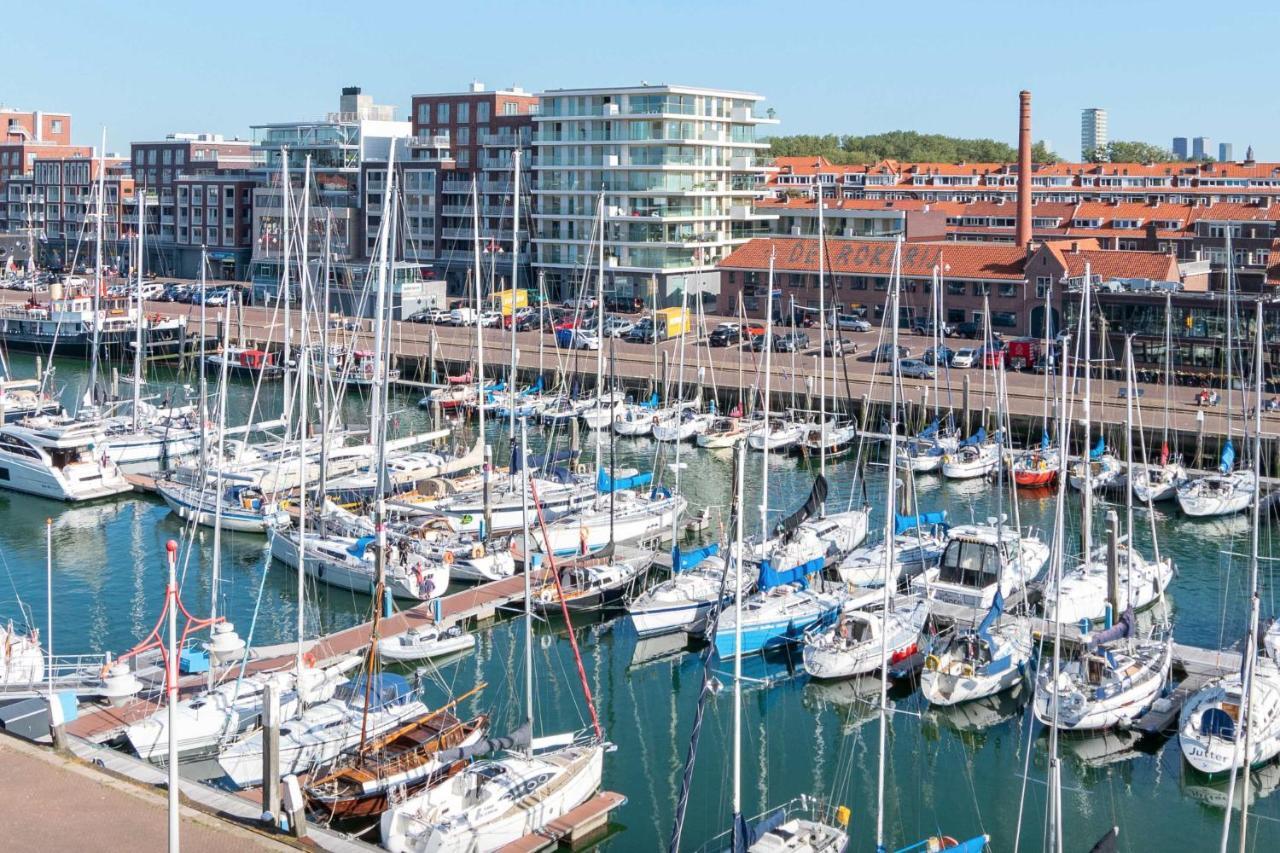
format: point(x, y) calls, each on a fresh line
point(143, 69)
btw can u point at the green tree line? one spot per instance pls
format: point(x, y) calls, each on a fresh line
point(904, 145)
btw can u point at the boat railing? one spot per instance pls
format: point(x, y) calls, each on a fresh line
point(69, 672)
point(803, 806)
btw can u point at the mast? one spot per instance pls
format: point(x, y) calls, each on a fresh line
point(137, 326)
point(1251, 635)
point(526, 498)
point(515, 266)
point(1128, 466)
point(302, 427)
point(1231, 310)
point(91, 394)
point(822, 344)
point(1086, 494)
point(737, 635)
point(376, 410)
point(217, 488)
point(381, 364)
point(600, 329)
point(325, 389)
point(479, 290)
point(286, 199)
point(890, 510)
point(204, 382)
point(768, 384)
point(1059, 556)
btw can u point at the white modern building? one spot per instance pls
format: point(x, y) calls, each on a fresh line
point(1093, 131)
point(679, 167)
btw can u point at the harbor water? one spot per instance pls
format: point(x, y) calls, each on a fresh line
point(957, 772)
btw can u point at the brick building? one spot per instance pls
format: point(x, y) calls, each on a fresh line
point(62, 196)
point(481, 129)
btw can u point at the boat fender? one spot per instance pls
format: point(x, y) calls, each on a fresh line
point(477, 551)
point(448, 558)
point(967, 670)
point(581, 468)
point(309, 660)
point(931, 663)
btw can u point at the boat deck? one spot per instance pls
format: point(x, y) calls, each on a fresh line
point(574, 828)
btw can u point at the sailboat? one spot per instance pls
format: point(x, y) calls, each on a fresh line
point(1153, 483)
point(976, 456)
point(919, 542)
point(496, 801)
point(685, 601)
point(1086, 590)
point(1232, 724)
point(925, 452)
point(967, 665)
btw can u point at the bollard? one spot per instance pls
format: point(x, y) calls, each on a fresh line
point(115, 383)
point(431, 356)
point(295, 806)
point(39, 368)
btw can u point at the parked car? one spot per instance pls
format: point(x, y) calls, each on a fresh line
point(972, 331)
point(419, 317)
point(616, 327)
point(1023, 352)
point(581, 303)
point(174, 292)
point(462, 317)
point(852, 323)
point(925, 327)
point(964, 358)
point(216, 298)
point(490, 320)
point(804, 319)
point(623, 304)
point(752, 328)
point(725, 335)
point(439, 316)
point(793, 342)
point(939, 356)
point(914, 368)
point(993, 355)
point(884, 352)
point(835, 347)
point(577, 339)
point(641, 333)
point(152, 290)
point(758, 342)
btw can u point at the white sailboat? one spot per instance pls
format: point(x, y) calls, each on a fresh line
point(976, 456)
point(700, 581)
point(1233, 723)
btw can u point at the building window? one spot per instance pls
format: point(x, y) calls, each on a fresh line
point(981, 288)
point(151, 157)
point(167, 156)
point(56, 125)
point(509, 108)
point(464, 113)
point(463, 159)
point(424, 113)
point(482, 112)
point(955, 315)
point(1008, 291)
point(464, 136)
point(1004, 319)
point(955, 288)
point(442, 113)
point(1042, 286)
point(138, 156)
point(180, 156)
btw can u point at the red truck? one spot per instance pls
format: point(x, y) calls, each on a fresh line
point(1022, 353)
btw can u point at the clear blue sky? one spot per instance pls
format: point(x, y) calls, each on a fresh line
point(144, 68)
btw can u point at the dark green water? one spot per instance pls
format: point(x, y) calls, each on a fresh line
point(958, 772)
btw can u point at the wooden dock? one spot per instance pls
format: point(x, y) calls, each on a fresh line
point(577, 827)
point(482, 602)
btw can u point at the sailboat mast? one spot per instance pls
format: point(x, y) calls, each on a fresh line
point(890, 510)
point(285, 296)
point(1086, 494)
point(822, 343)
point(1129, 393)
point(515, 266)
point(600, 326)
point(479, 291)
point(381, 363)
point(525, 499)
point(97, 269)
point(137, 326)
point(216, 572)
point(326, 389)
point(302, 419)
point(768, 385)
point(737, 633)
point(1251, 635)
point(204, 381)
point(1231, 310)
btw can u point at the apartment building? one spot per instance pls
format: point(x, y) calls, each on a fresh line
point(59, 201)
point(679, 168)
point(336, 147)
point(26, 136)
point(418, 179)
point(482, 129)
point(1093, 131)
point(196, 186)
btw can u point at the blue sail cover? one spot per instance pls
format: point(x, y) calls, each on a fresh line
point(931, 430)
point(1228, 457)
point(907, 523)
point(1118, 631)
point(652, 402)
point(1044, 440)
point(680, 560)
point(358, 547)
point(606, 484)
point(973, 845)
point(975, 439)
point(535, 388)
point(500, 385)
point(1099, 449)
point(997, 607)
point(771, 577)
point(536, 462)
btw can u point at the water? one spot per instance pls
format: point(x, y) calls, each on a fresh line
point(946, 772)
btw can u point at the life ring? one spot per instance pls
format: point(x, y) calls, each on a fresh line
point(310, 660)
point(477, 551)
point(932, 663)
point(448, 558)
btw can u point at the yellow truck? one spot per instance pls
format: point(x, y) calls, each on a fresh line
point(511, 300)
point(670, 323)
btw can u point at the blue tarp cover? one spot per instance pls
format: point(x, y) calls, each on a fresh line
point(907, 523)
point(680, 560)
point(605, 484)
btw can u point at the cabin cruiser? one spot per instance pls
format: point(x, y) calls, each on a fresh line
point(58, 458)
point(245, 361)
point(981, 559)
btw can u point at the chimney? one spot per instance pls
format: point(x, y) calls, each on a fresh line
point(1022, 235)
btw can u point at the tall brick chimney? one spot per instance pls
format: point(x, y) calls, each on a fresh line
point(1023, 233)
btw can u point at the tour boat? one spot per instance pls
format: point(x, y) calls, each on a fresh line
point(65, 324)
point(58, 458)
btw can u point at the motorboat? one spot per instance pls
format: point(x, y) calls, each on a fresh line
point(425, 643)
point(981, 559)
point(58, 458)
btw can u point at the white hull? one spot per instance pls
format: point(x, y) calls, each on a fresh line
point(633, 520)
point(1211, 732)
point(1152, 484)
point(856, 644)
point(952, 678)
point(329, 560)
point(425, 645)
point(777, 438)
point(1217, 495)
point(189, 503)
point(1084, 704)
point(970, 462)
point(1084, 589)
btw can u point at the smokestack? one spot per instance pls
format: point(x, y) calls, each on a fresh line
point(1023, 233)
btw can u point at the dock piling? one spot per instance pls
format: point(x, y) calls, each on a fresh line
point(1113, 560)
point(271, 751)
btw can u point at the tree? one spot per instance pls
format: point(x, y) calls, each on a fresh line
point(904, 145)
point(1119, 151)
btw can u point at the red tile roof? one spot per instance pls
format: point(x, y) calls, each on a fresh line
point(1111, 264)
point(1273, 264)
point(992, 261)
